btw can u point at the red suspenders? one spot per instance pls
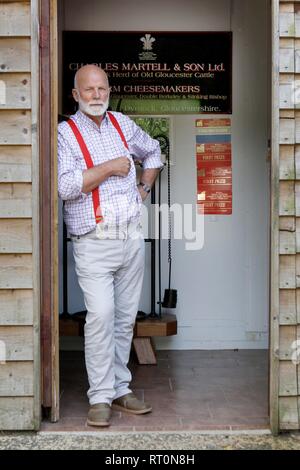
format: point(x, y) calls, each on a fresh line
point(89, 161)
point(118, 128)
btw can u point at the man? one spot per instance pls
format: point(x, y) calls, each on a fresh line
point(97, 181)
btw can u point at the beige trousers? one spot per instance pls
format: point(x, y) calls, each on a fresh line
point(110, 274)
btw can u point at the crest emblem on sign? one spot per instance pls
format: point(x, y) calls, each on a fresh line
point(147, 41)
point(147, 53)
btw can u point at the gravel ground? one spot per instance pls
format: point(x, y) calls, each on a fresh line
point(149, 441)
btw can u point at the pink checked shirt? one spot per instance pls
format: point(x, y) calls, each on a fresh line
point(120, 200)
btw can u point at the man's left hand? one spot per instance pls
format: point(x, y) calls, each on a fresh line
point(143, 193)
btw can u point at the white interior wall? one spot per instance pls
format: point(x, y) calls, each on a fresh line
point(223, 290)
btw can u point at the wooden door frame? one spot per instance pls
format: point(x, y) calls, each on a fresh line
point(48, 209)
point(49, 216)
point(274, 228)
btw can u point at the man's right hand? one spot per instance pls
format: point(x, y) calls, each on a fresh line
point(94, 176)
point(119, 166)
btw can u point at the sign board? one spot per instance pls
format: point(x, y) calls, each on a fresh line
point(214, 169)
point(155, 72)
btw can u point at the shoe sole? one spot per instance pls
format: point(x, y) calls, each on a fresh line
point(132, 412)
point(101, 424)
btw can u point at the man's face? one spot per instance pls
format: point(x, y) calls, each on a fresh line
point(92, 93)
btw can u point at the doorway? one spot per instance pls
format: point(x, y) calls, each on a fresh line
point(218, 361)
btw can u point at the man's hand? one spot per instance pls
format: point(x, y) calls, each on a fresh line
point(143, 193)
point(148, 177)
point(94, 176)
point(119, 166)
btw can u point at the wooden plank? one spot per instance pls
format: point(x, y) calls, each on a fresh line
point(296, 360)
point(287, 223)
point(15, 190)
point(18, 341)
point(15, 127)
point(15, 163)
point(37, 268)
point(287, 162)
point(15, 200)
point(16, 379)
point(298, 270)
point(286, 95)
point(287, 307)
point(17, 90)
point(298, 235)
point(277, 136)
point(297, 161)
point(16, 307)
point(297, 197)
point(15, 208)
point(15, 271)
point(287, 43)
point(286, 6)
point(298, 305)
point(14, 54)
point(287, 379)
point(287, 131)
point(145, 351)
point(46, 167)
point(16, 236)
point(287, 60)
point(297, 122)
point(288, 413)
point(286, 198)
point(289, 86)
point(15, 19)
point(287, 243)
point(54, 228)
point(164, 326)
point(17, 413)
point(287, 336)
point(297, 19)
point(297, 60)
point(287, 24)
point(287, 114)
point(295, 100)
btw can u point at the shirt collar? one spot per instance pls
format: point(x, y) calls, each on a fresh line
point(85, 120)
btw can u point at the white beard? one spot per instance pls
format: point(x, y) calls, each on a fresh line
point(93, 110)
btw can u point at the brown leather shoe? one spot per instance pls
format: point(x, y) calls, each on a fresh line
point(129, 403)
point(99, 415)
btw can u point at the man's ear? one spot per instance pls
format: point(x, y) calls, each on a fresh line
point(75, 94)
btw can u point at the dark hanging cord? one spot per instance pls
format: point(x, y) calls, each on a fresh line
point(164, 143)
point(169, 216)
point(159, 245)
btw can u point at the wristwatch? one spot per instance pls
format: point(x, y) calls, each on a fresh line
point(145, 187)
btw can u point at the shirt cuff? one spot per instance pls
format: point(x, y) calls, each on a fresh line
point(78, 176)
point(152, 163)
